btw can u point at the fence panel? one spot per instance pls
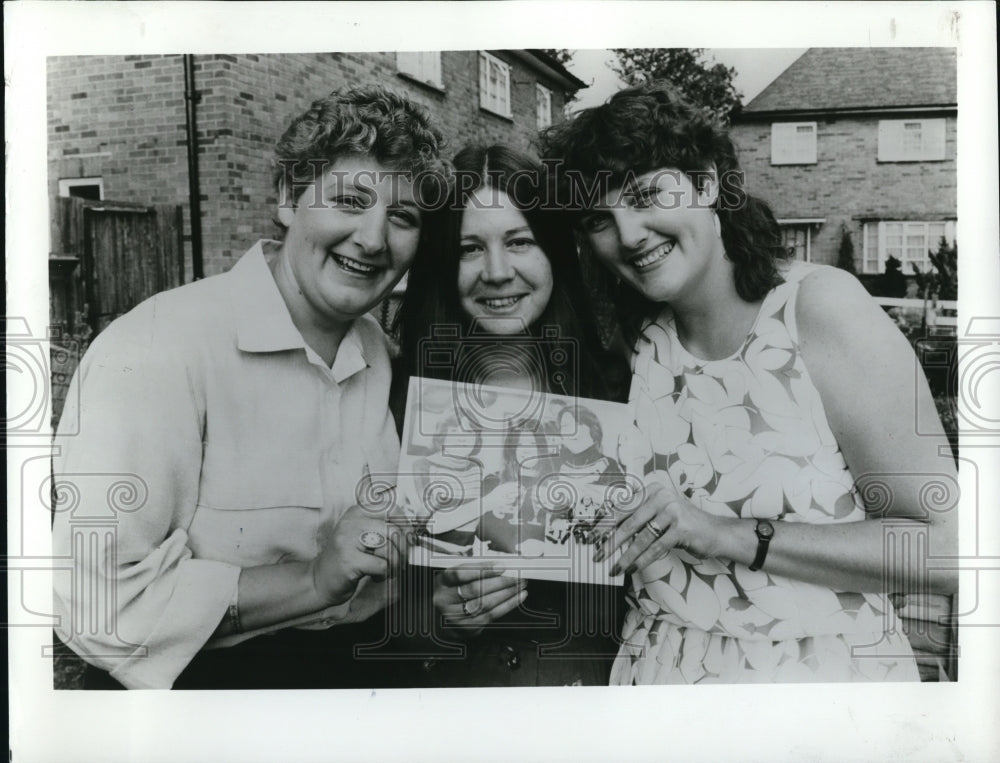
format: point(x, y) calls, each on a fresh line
point(107, 257)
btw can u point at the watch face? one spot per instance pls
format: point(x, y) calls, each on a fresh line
point(765, 530)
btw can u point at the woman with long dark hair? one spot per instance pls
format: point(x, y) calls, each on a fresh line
point(772, 393)
point(495, 298)
point(452, 287)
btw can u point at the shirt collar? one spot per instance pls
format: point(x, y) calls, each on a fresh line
point(263, 323)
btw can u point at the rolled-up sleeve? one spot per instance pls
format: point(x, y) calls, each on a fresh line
point(137, 604)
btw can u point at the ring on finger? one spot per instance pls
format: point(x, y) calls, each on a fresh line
point(468, 611)
point(654, 528)
point(372, 540)
point(461, 595)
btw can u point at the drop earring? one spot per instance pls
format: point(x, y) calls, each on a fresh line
point(718, 223)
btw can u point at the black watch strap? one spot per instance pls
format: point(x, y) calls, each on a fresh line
point(764, 531)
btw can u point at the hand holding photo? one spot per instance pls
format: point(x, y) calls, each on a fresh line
point(533, 492)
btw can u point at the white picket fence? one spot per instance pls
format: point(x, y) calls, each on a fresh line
point(940, 313)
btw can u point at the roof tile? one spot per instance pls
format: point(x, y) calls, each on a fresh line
point(850, 78)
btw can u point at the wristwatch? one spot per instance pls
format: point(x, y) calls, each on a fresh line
point(764, 531)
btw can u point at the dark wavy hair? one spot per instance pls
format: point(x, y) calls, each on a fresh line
point(583, 416)
point(650, 127)
point(432, 298)
point(362, 121)
point(532, 428)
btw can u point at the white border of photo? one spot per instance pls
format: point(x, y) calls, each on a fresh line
point(789, 722)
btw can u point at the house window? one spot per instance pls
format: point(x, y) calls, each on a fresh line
point(797, 240)
point(494, 84)
point(910, 242)
point(424, 67)
point(793, 143)
point(910, 140)
point(543, 106)
point(83, 188)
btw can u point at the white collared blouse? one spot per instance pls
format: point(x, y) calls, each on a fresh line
point(243, 448)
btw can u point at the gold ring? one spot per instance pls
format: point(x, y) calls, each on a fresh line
point(465, 609)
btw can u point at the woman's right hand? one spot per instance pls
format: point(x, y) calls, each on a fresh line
point(473, 597)
point(343, 560)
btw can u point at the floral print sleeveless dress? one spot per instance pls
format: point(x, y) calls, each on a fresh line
point(747, 436)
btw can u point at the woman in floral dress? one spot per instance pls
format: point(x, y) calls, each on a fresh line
point(785, 478)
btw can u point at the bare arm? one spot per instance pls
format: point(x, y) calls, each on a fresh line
point(872, 389)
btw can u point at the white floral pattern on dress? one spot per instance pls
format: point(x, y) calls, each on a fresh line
point(747, 436)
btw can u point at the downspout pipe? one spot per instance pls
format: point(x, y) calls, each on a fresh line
point(194, 185)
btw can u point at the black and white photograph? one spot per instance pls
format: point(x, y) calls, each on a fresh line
point(465, 376)
point(525, 480)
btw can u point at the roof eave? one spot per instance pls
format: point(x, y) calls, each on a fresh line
point(868, 111)
point(545, 64)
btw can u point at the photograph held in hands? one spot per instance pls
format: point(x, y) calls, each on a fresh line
point(526, 481)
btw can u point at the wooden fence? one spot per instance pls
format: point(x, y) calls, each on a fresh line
point(106, 258)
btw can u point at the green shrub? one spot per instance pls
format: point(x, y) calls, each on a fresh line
point(942, 281)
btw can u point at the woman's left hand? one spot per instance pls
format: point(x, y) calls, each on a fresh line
point(665, 520)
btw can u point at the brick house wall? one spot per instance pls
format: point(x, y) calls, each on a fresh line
point(122, 118)
point(847, 184)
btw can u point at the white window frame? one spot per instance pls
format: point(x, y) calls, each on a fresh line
point(543, 106)
point(874, 261)
point(492, 99)
point(66, 183)
point(808, 224)
point(793, 142)
point(892, 140)
point(423, 66)
point(807, 229)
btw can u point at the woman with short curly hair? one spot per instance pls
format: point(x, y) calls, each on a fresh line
point(771, 393)
point(251, 409)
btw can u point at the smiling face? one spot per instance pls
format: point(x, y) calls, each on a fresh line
point(458, 442)
point(528, 449)
point(659, 236)
point(504, 277)
point(351, 236)
point(576, 437)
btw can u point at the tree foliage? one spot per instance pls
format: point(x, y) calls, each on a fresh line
point(892, 283)
point(559, 54)
point(706, 85)
point(942, 281)
point(845, 254)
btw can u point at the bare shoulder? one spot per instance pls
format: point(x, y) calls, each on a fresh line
point(833, 303)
